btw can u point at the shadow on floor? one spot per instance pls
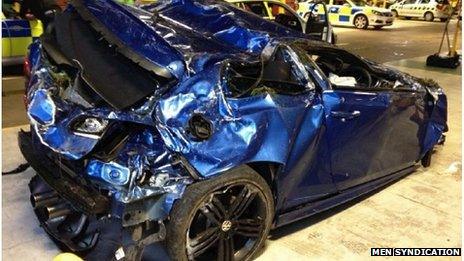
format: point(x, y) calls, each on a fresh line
point(316, 218)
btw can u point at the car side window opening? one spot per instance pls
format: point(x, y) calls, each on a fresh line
point(285, 17)
point(257, 8)
point(341, 72)
point(277, 9)
point(424, 1)
point(282, 73)
point(344, 70)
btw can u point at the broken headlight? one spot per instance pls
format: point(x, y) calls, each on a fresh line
point(89, 126)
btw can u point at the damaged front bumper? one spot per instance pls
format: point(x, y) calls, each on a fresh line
point(115, 142)
point(55, 196)
point(80, 216)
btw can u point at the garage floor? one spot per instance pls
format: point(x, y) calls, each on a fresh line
point(421, 210)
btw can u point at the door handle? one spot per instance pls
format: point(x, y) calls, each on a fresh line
point(345, 115)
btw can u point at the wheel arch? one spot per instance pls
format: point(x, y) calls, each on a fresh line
point(268, 171)
point(426, 12)
point(353, 16)
point(361, 13)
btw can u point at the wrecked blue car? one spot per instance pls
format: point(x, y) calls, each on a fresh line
point(202, 126)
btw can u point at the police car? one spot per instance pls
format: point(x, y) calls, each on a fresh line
point(355, 13)
point(17, 34)
point(426, 9)
point(275, 10)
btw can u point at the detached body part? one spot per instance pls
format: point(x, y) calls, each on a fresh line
point(201, 124)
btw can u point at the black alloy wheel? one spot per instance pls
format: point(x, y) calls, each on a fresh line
point(225, 218)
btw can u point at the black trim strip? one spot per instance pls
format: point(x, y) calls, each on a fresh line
point(82, 198)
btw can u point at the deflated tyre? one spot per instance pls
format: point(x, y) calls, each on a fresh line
point(224, 218)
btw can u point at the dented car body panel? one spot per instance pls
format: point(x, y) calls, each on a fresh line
point(227, 89)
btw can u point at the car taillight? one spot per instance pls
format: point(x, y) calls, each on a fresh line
point(27, 77)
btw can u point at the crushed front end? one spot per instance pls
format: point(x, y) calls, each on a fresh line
point(91, 203)
point(115, 98)
point(101, 174)
point(105, 177)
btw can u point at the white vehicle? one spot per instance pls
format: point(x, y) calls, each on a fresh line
point(283, 14)
point(351, 13)
point(427, 9)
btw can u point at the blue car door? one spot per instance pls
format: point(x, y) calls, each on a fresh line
point(373, 133)
point(290, 130)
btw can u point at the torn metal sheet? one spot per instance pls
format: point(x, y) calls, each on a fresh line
point(222, 88)
point(260, 126)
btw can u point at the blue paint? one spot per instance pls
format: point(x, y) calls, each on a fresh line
point(343, 18)
point(162, 43)
point(436, 124)
point(355, 10)
point(111, 172)
point(16, 28)
point(42, 108)
point(318, 153)
point(374, 139)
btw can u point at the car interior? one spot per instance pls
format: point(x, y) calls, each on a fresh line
point(279, 13)
point(316, 24)
point(345, 70)
point(284, 17)
point(278, 75)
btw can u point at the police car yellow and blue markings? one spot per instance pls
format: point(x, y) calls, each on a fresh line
point(336, 13)
point(18, 34)
point(342, 13)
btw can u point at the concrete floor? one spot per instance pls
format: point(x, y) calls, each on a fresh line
point(421, 210)
point(405, 39)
